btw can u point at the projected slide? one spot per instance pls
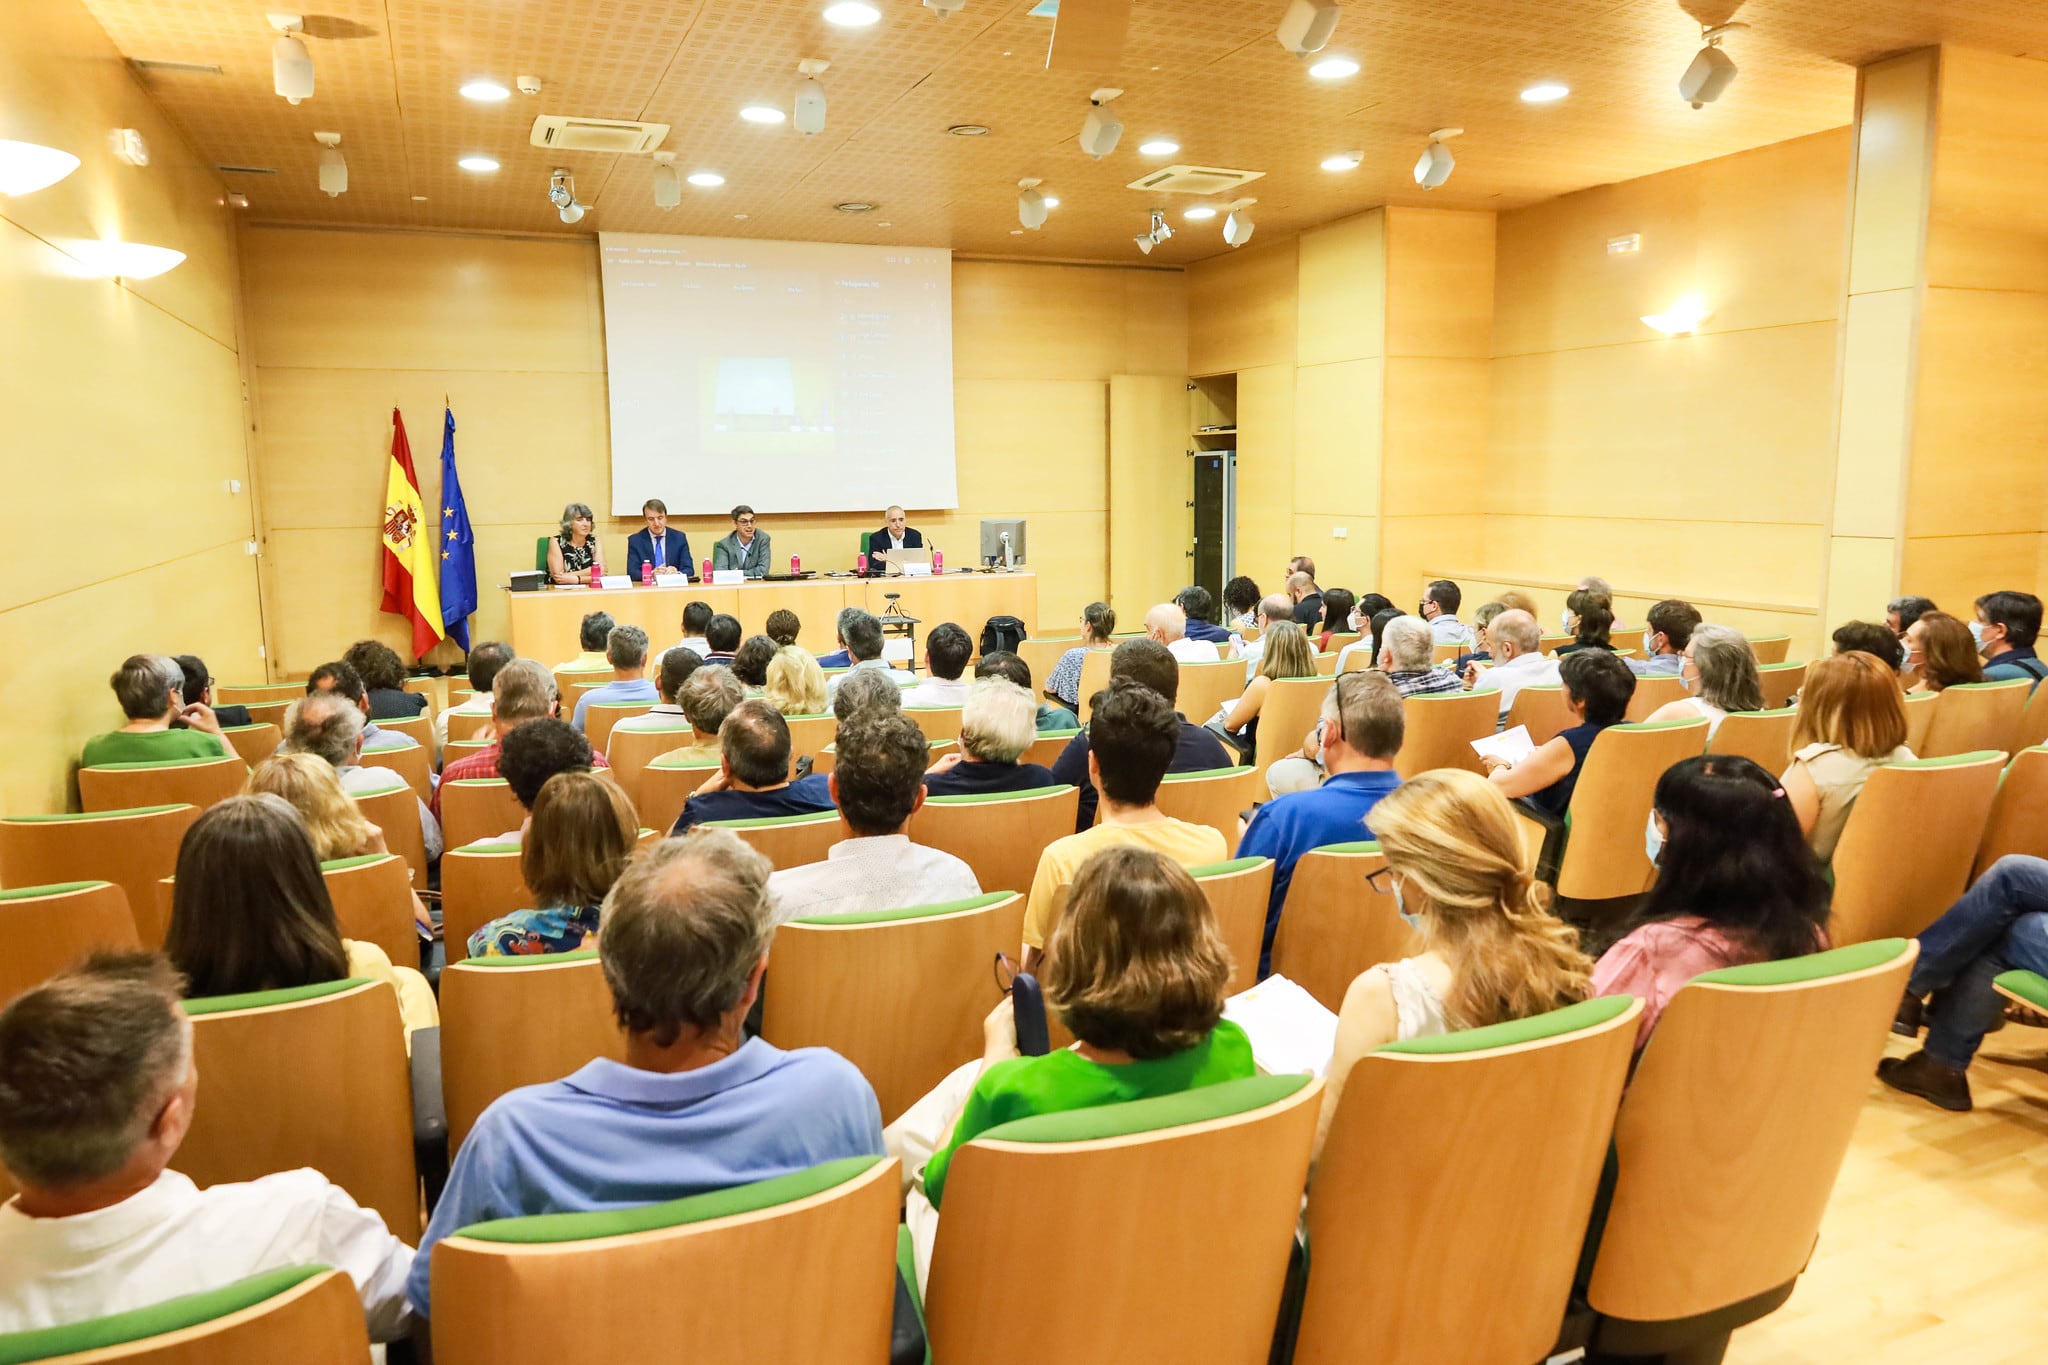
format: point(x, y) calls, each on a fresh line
point(794, 376)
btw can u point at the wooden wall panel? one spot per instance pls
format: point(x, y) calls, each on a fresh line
point(1337, 419)
point(1980, 432)
point(1265, 471)
point(1341, 303)
point(1151, 481)
point(1988, 220)
point(1242, 309)
point(1439, 282)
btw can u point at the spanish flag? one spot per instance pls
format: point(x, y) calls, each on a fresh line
point(412, 568)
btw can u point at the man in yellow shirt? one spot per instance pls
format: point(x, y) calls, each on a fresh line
point(707, 698)
point(1132, 735)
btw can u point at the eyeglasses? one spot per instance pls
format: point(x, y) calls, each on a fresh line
point(1006, 972)
point(746, 521)
point(1382, 881)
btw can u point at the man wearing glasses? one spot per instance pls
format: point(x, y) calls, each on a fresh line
point(746, 549)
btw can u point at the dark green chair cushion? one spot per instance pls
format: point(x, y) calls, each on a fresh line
point(172, 1315)
point(256, 1000)
point(545, 1228)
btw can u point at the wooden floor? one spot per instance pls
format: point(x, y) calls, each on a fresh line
point(1935, 1247)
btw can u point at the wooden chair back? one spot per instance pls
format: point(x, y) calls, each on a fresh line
point(305, 1314)
point(1970, 717)
point(414, 763)
point(474, 808)
point(1770, 649)
point(49, 929)
point(1906, 852)
point(253, 743)
point(534, 1291)
point(1334, 926)
point(1920, 707)
point(1626, 639)
point(513, 1021)
point(1652, 691)
point(419, 729)
point(479, 883)
point(899, 993)
point(1729, 1141)
point(600, 717)
point(372, 898)
point(1238, 892)
point(808, 734)
point(272, 712)
point(256, 694)
point(1042, 656)
point(396, 811)
point(188, 781)
point(630, 751)
point(2033, 721)
point(567, 680)
point(1155, 1275)
point(467, 725)
point(1286, 716)
point(1386, 1283)
point(1339, 639)
point(1326, 663)
point(133, 849)
point(937, 722)
point(1764, 737)
point(788, 840)
point(1047, 748)
point(1204, 687)
point(1437, 731)
point(1779, 682)
point(665, 788)
point(1541, 707)
point(826, 758)
point(999, 836)
point(1550, 644)
point(277, 1069)
point(2019, 813)
point(1604, 856)
point(1214, 798)
point(1094, 677)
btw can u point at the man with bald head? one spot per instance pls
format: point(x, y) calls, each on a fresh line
point(896, 534)
point(1517, 646)
point(1308, 601)
point(1168, 624)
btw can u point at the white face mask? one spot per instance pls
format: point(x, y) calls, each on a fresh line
point(1977, 635)
point(1653, 838)
point(1401, 908)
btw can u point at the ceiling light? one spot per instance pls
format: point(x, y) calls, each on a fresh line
point(707, 180)
point(1343, 161)
point(1683, 317)
point(419, 199)
point(1158, 146)
point(969, 130)
point(485, 92)
point(1200, 213)
point(1712, 70)
point(851, 14)
point(1333, 69)
point(477, 163)
point(1238, 227)
point(1161, 231)
point(1436, 163)
point(810, 96)
point(945, 8)
point(855, 206)
point(291, 65)
point(1545, 92)
point(238, 199)
point(562, 194)
point(1101, 129)
point(1307, 25)
point(1143, 239)
point(333, 169)
point(122, 260)
point(1030, 204)
point(668, 190)
point(26, 167)
point(762, 113)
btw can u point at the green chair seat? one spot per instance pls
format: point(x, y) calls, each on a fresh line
point(22, 893)
point(1145, 1116)
point(1224, 869)
point(359, 860)
point(984, 798)
point(817, 817)
point(1351, 846)
point(1856, 957)
point(139, 1324)
point(532, 959)
point(1204, 772)
point(1513, 1033)
point(909, 912)
point(101, 814)
point(152, 765)
point(547, 1228)
point(256, 1000)
point(2029, 988)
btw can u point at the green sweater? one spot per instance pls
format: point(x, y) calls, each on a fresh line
point(152, 746)
point(1024, 1086)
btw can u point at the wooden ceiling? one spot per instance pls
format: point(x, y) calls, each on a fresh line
point(1206, 73)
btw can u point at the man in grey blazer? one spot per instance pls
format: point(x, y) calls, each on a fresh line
point(746, 549)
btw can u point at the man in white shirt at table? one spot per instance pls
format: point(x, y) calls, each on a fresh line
point(1168, 624)
point(97, 1088)
point(946, 652)
point(1518, 660)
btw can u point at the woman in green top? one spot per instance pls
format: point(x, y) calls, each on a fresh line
point(1138, 972)
point(150, 690)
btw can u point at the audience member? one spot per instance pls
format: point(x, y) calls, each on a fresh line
point(752, 781)
point(626, 651)
point(1439, 608)
point(1517, 644)
point(1300, 564)
point(1598, 587)
point(1900, 614)
point(1134, 736)
point(1367, 607)
point(1198, 606)
point(750, 662)
point(1338, 604)
point(530, 756)
point(696, 620)
point(782, 627)
point(327, 726)
point(577, 841)
point(707, 698)
point(862, 632)
point(199, 687)
point(1287, 654)
point(1098, 623)
point(1378, 626)
point(1147, 664)
point(524, 692)
point(341, 678)
point(670, 674)
point(1273, 611)
point(795, 685)
point(1851, 721)
point(1407, 646)
point(1868, 637)
point(1670, 624)
point(1167, 625)
point(1491, 950)
point(383, 675)
point(1719, 669)
point(1589, 617)
point(1941, 650)
point(1241, 599)
point(877, 784)
point(1514, 600)
point(592, 635)
point(333, 821)
point(486, 657)
point(1736, 884)
point(946, 652)
point(1357, 737)
point(1046, 716)
point(1480, 651)
point(1597, 689)
point(865, 690)
point(97, 1091)
point(841, 658)
point(2006, 627)
point(1308, 598)
point(995, 729)
point(696, 1105)
point(150, 690)
point(723, 637)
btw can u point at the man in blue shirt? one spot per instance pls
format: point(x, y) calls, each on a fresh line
point(1665, 636)
point(1200, 607)
point(1148, 664)
point(625, 649)
point(2006, 627)
point(1359, 733)
point(752, 781)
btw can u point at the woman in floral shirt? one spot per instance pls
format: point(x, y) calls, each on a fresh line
point(583, 830)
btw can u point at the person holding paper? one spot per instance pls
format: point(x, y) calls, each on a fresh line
point(896, 534)
point(1597, 689)
point(746, 549)
point(666, 549)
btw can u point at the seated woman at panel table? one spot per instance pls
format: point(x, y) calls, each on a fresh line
point(577, 842)
point(333, 821)
point(1719, 669)
point(250, 912)
point(573, 554)
point(997, 724)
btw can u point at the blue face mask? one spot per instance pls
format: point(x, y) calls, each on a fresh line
point(1653, 841)
point(1977, 635)
point(1401, 908)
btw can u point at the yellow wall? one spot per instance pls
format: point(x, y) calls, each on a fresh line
point(345, 325)
point(123, 409)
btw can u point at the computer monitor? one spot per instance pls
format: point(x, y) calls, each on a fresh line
point(993, 529)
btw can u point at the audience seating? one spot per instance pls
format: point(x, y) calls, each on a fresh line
point(1338, 640)
point(396, 811)
point(1603, 854)
point(1239, 892)
point(1206, 687)
point(414, 763)
point(253, 743)
point(272, 712)
point(1215, 797)
point(664, 787)
point(467, 725)
point(1770, 649)
point(307, 1315)
point(419, 729)
point(1290, 711)
point(567, 680)
point(630, 751)
point(788, 840)
point(1326, 664)
point(1094, 677)
point(1906, 851)
point(513, 1021)
point(2019, 813)
point(1780, 681)
point(823, 760)
point(2023, 988)
point(1550, 644)
point(1728, 1142)
point(937, 722)
point(312, 1076)
point(1047, 748)
point(48, 929)
point(1764, 737)
point(600, 717)
point(372, 897)
point(1000, 834)
point(1627, 639)
point(1437, 731)
point(1652, 692)
point(456, 749)
point(2033, 721)
point(1542, 709)
point(1448, 654)
point(1090, 1209)
point(1333, 925)
point(1920, 708)
point(899, 993)
point(808, 734)
point(791, 1269)
point(124, 786)
point(1970, 717)
point(474, 808)
point(1042, 656)
point(256, 694)
point(479, 883)
point(1396, 1273)
point(130, 848)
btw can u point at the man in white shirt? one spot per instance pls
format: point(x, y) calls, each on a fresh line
point(696, 620)
point(1439, 607)
point(946, 652)
point(1168, 624)
point(877, 784)
point(1273, 610)
point(667, 714)
point(484, 662)
point(326, 725)
point(97, 1086)
point(1518, 659)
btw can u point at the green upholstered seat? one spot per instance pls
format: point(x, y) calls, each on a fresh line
point(172, 1315)
point(2029, 988)
point(22, 893)
point(256, 1000)
point(1200, 1105)
point(984, 798)
point(909, 912)
point(547, 1228)
point(1515, 1032)
point(771, 821)
point(131, 812)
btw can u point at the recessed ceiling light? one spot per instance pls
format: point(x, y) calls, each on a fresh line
point(762, 113)
point(885, 225)
point(419, 199)
point(737, 216)
point(709, 180)
point(1052, 201)
point(488, 92)
point(1547, 92)
point(1199, 213)
point(851, 14)
point(855, 206)
point(1016, 232)
point(1343, 161)
point(477, 163)
point(1159, 146)
point(1333, 69)
point(969, 130)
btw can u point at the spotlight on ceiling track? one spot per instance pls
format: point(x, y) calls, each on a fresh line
point(1101, 129)
point(562, 194)
point(668, 186)
point(1160, 231)
point(810, 96)
point(291, 65)
point(1712, 70)
point(1238, 227)
point(1436, 163)
point(333, 169)
point(1307, 25)
point(1031, 205)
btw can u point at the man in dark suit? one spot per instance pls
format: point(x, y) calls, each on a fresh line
point(199, 688)
point(895, 535)
point(746, 549)
point(657, 545)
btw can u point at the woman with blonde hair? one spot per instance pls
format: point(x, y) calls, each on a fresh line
point(1719, 669)
point(1288, 654)
point(1491, 949)
point(332, 819)
point(578, 841)
point(1851, 722)
point(796, 684)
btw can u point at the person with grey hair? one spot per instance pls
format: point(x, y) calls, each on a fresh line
point(1407, 648)
point(842, 657)
point(330, 727)
point(695, 1105)
point(150, 688)
point(97, 1090)
point(1719, 669)
point(752, 781)
point(524, 690)
point(1168, 624)
point(625, 650)
point(997, 725)
point(574, 555)
point(1518, 649)
point(707, 698)
point(862, 633)
point(866, 689)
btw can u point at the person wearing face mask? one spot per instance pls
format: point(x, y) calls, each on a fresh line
point(2006, 627)
point(1941, 652)
point(1900, 614)
point(1719, 669)
point(1491, 951)
point(1440, 601)
point(1736, 883)
point(1671, 624)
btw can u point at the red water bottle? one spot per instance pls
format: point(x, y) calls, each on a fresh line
point(796, 565)
point(707, 571)
point(596, 565)
point(938, 562)
point(860, 564)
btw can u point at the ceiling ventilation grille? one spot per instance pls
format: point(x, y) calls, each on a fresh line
point(176, 68)
point(562, 134)
point(1193, 180)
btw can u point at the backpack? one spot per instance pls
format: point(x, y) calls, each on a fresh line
point(1001, 633)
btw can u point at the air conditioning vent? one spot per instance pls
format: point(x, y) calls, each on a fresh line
point(562, 134)
point(246, 170)
point(1193, 180)
point(177, 68)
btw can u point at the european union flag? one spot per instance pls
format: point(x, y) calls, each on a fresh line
point(458, 544)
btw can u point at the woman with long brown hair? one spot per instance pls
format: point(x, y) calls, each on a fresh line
point(1851, 722)
point(1941, 649)
point(582, 832)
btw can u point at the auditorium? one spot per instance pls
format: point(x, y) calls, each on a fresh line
point(718, 606)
